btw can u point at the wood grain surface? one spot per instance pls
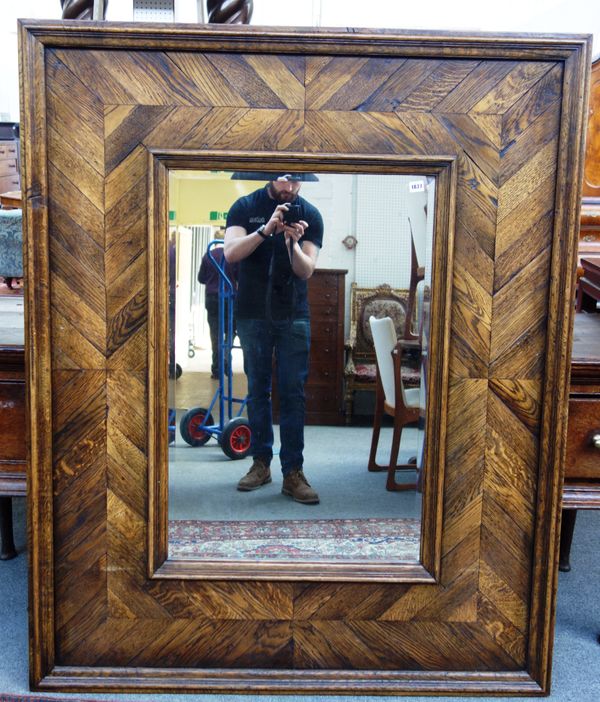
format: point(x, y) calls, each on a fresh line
point(591, 179)
point(508, 113)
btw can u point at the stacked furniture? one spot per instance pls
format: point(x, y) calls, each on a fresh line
point(12, 371)
point(582, 469)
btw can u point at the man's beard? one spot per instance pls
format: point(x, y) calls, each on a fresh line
point(283, 196)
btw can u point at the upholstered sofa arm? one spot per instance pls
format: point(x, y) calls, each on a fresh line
point(11, 243)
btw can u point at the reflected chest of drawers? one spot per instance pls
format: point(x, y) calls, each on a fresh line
point(325, 385)
point(324, 389)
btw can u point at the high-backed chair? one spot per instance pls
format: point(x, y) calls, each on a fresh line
point(392, 398)
point(359, 370)
point(417, 274)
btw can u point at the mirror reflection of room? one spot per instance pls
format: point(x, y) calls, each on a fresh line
point(298, 365)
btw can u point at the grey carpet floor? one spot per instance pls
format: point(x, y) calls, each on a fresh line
point(202, 480)
point(576, 675)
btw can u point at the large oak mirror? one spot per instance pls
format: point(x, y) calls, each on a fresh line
point(118, 121)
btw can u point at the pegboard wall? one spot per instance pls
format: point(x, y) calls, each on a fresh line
point(429, 231)
point(383, 206)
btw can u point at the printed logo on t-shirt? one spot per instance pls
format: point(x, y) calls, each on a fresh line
point(257, 220)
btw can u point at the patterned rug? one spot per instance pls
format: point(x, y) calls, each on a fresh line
point(396, 540)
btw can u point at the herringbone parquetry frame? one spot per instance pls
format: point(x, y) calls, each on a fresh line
point(97, 103)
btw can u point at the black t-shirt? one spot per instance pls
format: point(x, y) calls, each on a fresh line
point(286, 297)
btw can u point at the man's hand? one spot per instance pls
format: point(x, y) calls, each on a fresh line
point(275, 224)
point(294, 232)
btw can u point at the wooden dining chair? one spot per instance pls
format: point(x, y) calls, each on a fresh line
point(392, 398)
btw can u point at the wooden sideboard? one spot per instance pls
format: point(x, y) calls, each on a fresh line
point(582, 469)
point(12, 441)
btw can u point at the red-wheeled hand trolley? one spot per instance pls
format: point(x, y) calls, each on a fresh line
point(197, 424)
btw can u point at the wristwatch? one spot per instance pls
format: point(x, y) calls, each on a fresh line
point(261, 231)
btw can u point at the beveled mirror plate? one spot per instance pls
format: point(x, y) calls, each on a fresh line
point(443, 224)
point(106, 109)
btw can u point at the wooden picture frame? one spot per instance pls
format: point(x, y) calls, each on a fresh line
point(107, 109)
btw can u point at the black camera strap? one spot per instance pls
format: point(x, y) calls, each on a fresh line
point(290, 281)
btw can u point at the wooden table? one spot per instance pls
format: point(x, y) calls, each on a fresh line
point(582, 470)
point(11, 200)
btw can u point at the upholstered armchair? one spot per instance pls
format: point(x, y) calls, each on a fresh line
point(11, 245)
point(360, 370)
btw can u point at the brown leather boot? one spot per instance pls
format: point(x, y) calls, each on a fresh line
point(258, 475)
point(296, 486)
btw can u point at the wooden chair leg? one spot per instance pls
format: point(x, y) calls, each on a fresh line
point(373, 467)
point(566, 539)
point(7, 545)
point(392, 485)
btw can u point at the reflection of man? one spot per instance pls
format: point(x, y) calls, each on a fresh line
point(277, 250)
point(209, 276)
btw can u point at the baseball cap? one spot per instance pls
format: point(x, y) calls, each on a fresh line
point(274, 175)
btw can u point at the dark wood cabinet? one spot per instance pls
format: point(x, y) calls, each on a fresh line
point(324, 388)
point(325, 385)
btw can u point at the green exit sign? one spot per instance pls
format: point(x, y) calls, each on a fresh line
point(216, 216)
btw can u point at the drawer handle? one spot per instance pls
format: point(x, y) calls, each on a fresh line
point(596, 440)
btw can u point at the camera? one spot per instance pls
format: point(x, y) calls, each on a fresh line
point(293, 213)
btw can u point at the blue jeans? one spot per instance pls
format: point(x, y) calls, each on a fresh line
point(290, 341)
